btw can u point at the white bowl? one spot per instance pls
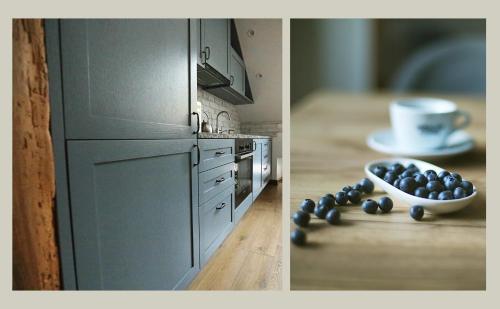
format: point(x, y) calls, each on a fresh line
point(433, 206)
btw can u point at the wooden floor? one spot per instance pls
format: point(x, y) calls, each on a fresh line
point(251, 257)
point(380, 252)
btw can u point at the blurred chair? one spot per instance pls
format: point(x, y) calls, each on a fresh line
point(451, 66)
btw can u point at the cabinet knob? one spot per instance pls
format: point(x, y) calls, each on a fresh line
point(222, 205)
point(207, 52)
point(220, 180)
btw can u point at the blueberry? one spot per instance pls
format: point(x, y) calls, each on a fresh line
point(421, 180)
point(330, 196)
point(445, 195)
point(432, 177)
point(347, 189)
point(451, 183)
point(429, 172)
point(396, 168)
point(434, 186)
point(341, 198)
point(390, 177)
point(411, 165)
point(468, 187)
point(354, 196)
point(459, 192)
point(457, 176)
point(298, 237)
point(396, 183)
point(406, 174)
point(301, 218)
point(421, 192)
point(407, 185)
point(433, 195)
point(367, 185)
point(358, 187)
point(385, 204)
point(307, 205)
point(333, 216)
point(417, 212)
point(321, 210)
point(379, 170)
point(326, 201)
point(369, 206)
point(443, 174)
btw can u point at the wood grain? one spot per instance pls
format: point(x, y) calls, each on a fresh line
point(380, 252)
point(35, 255)
point(251, 257)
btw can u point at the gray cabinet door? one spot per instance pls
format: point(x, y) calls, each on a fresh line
point(128, 78)
point(237, 73)
point(134, 211)
point(257, 169)
point(215, 42)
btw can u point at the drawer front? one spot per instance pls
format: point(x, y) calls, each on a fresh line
point(215, 181)
point(266, 149)
point(215, 220)
point(215, 152)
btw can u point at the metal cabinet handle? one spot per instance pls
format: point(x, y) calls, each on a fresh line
point(254, 146)
point(222, 205)
point(198, 155)
point(265, 168)
point(220, 180)
point(231, 80)
point(207, 52)
point(197, 122)
point(218, 153)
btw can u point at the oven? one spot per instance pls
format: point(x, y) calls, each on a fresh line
point(243, 169)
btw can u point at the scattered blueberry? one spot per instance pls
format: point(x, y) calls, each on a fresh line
point(354, 196)
point(298, 237)
point(421, 192)
point(369, 206)
point(407, 185)
point(421, 180)
point(417, 212)
point(445, 195)
point(330, 196)
point(390, 177)
point(307, 205)
point(379, 171)
point(333, 216)
point(433, 195)
point(321, 210)
point(347, 189)
point(434, 186)
point(341, 198)
point(459, 192)
point(385, 204)
point(301, 218)
point(468, 187)
point(326, 201)
point(367, 185)
point(358, 187)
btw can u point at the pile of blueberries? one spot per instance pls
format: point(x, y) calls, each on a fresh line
point(429, 184)
point(325, 208)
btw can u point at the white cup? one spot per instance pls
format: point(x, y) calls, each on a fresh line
point(425, 123)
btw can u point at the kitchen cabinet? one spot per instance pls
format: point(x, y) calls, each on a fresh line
point(237, 73)
point(135, 213)
point(261, 166)
point(214, 44)
point(129, 78)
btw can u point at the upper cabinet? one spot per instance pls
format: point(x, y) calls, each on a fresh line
point(221, 67)
point(129, 79)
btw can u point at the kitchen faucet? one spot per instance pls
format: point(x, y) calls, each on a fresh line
point(217, 129)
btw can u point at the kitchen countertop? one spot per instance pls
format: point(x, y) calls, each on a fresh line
point(389, 251)
point(229, 135)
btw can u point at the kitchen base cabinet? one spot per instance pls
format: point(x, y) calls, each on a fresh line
point(134, 213)
point(261, 165)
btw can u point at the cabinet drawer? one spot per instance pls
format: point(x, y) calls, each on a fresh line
point(215, 222)
point(215, 152)
point(266, 149)
point(215, 181)
point(266, 171)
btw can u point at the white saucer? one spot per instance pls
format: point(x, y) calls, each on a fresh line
point(383, 141)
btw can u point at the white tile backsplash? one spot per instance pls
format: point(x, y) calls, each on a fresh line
point(268, 128)
point(212, 105)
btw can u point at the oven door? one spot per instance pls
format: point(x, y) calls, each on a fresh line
point(243, 177)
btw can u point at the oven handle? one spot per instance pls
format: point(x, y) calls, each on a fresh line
point(244, 156)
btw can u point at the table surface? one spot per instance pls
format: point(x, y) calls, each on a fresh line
point(383, 251)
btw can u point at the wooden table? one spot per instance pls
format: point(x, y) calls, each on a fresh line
point(379, 252)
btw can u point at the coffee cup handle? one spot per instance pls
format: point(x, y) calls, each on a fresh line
point(465, 122)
